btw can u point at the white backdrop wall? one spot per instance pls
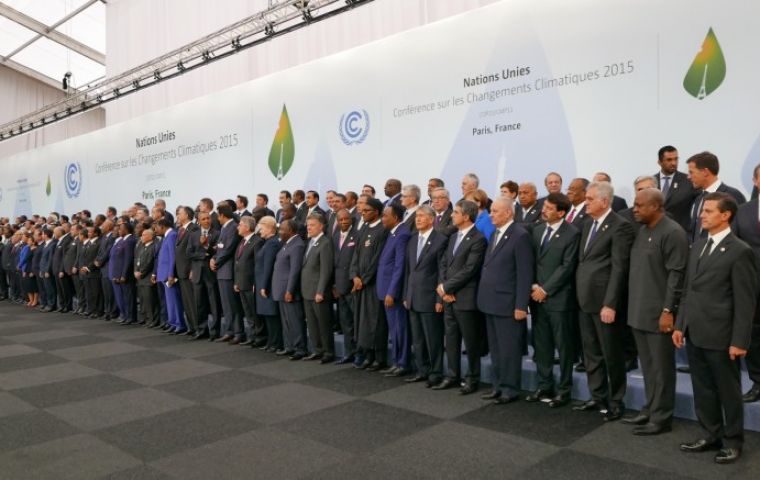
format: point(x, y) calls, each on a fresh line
point(511, 90)
point(140, 30)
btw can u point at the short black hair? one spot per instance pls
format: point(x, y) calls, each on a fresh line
point(264, 197)
point(666, 149)
point(313, 194)
point(366, 185)
point(224, 210)
point(287, 194)
point(164, 222)
point(706, 160)
point(130, 228)
point(726, 203)
point(560, 201)
point(397, 210)
point(243, 199)
point(189, 211)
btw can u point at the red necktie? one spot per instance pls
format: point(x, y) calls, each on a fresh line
point(181, 233)
point(571, 216)
point(240, 248)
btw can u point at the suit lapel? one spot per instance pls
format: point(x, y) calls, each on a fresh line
point(501, 241)
point(601, 230)
point(426, 247)
point(718, 251)
point(555, 236)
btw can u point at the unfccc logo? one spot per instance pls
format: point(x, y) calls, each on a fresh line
point(73, 180)
point(354, 127)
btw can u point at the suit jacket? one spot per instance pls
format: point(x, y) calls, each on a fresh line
point(699, 199)
point(104, 253)
point(245, 260)
point(225, 251)
point(602, 272)
point(444, 225)
point(720, 294)
point(679, 198)
point(390, 267)
point(61, 247)
point(260, 212)
point(556, 264)
point(144, 262)
point(70, 259)
point(123, 254)
point(166, 253)
point(182, 261)
point(618, 203)
point(302, 212)
point(7, 258)
point(460, 272)
point(411, 222)
point(507, 274)
point(287, 270)
point(318, 269)
point(46, 261)
point(421, 275)
point(89, 255)
point(265, 258)
point(580, 218)
point(200, 255)
point(531, 215)
point(747, 228)
point(342, 259)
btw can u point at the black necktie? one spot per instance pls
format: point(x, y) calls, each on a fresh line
point(705, 252)
point(545, 242)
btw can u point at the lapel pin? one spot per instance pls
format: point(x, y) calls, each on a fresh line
point(675, 185)
point(722, 249)
point(649, 239)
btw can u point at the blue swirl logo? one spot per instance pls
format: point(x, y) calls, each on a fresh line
point(73, 180)
point(354, 127)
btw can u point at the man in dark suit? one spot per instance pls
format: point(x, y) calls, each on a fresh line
point(63, 283)
point(531, 206)
point(703, 173)
point(715, 317)
point(299, 202)
point(90, 273)
point(441, 203)
point(285, 199)
point(554, 308)
point(241, 202)
point(261, 209)
point(71, 264)
point(503, 296)
point(747, 227)
point(102, 261)
point(392, 190)
point(576, 193)
point(201, 249)
point(46, 270)
point(207, 206)
point(245, 264)
point(317, 273)
point(390, 278)
point(312, 205)
point(182, 263)
point(675, 186)
point(433, 183)
point(121, 272)
point(641, 183)
point(458, 277)
point(147, 291)
point(410, 200)
point(601, 280)
point(223, 265)
point(344, 241)
point(618, 203)
point(659, 256)
point(286, 290)
point(423, 255)
point(371, 324)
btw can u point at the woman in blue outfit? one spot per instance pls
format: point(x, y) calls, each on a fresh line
point(28, 280)
point(483, 221)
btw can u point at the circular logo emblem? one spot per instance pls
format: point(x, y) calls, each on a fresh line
point(73, 180)
point(354, 127)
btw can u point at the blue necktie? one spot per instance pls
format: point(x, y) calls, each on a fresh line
point(591, 235)
point(420, 246)
point(545, 242)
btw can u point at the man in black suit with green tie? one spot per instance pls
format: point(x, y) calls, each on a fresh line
point(715, 317)
point(553, 307)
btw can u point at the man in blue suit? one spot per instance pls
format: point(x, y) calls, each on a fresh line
point(166, 277)
point(46, 271)
point(103, 261)
point(286, 290)
point(390, 280)
point(120, 271)
point(223, 265)
point(503, 296)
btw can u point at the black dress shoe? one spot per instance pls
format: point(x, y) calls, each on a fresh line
point(327, 359)
point(190, 333)
point(376, 367)
point(753, 394)
point(296, 357)
point(399, 372)
point(701, 445)
point(638, 419)
point(612, 414)
point(282, 352)
point(727, 455)
point(559, 401)
point(631, 365)
point(503, 400)
point(313, 356)
point(432, 382)
point(388, 370)
point(492, 395)
point(468, 388)
point(364, 365)
point(652, 429)
point(446, 384)
point(587, 406)
point(345, 360)
point(538, 395)
point(415, 379)
point(246, 343)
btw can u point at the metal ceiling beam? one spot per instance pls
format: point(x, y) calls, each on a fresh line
point(30, 73)
point(49, 32)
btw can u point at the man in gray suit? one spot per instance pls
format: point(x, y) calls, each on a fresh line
point(316, 287)
point(286, 290)
point(659, 256)
point(716, 314)
point(147, 291)
point(245, 258)
point(601, 290)
point(553, 308)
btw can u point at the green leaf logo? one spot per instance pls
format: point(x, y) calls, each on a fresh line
point(48, 187)
point(283, 147)
point(708, 69)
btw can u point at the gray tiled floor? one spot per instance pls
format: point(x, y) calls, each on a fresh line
point(87, 399)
